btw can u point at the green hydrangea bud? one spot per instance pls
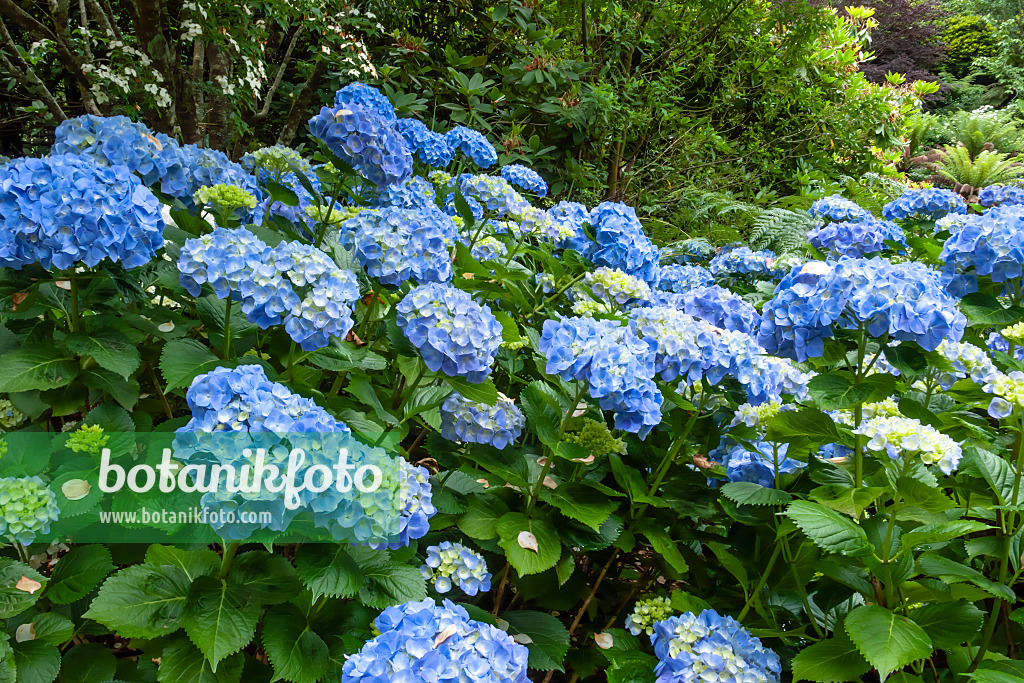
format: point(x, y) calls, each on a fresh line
point(440, 177)
point(88, 439)
point(275, 160)
point(336, 216)
point(1014, 334)
point(227, 197)
point(10, 417)
point(646, 613)
point(3, 448)
point(596, 438)
point(27, 508)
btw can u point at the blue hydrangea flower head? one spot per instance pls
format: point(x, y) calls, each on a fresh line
point(455, 334)
point(994, 195)
point(906, 301)
point(621, 242)
point(423, 641)
point(758, 466)
point(570, 217)
point(207, 167)
point(432, 148)
point(494, 194)
point(27, 508)
point(716, 305)
point(396, 244)
point(689, 349)
point(837, 208)
point(682, 278)
point(293, 284)
point(488, 249)
point(360, 137)
point(710, 647)
point(991, 244)
point(473, 144)
point(453, 562)
point(368, 97)
point(928, 204)
point(301, 213)
point(470, 422)
point(618, 366)
point(767, 378)
point(744, 261)
point(864, 235)
point(525, 178)
point(237, 407)
point(67, 209)
point(119, 141)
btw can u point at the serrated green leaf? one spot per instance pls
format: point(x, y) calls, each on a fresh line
point(111, 349)
point(36, 661)
point(790, 425)
point(581, 502)
point(835, 660)
point(482, 392)
point(749, 493)
point(480, 521)
point(328, 570)
point(949, 624)
point(828, 529)
point(550, 638)
point(386, 582)
point(525, 560)
point(182, 360)
point(78, 573)
point(54, 628)
point(270, 578)
point(192, 562)
point(662, 542)
point(41, 367)
point(951, 571)
point(219, 617)
point(14, 601)
point(88, 663)
point(888, 641)
point(297, 653)
point(141, 601)
point(182, 662)
point(942, 531)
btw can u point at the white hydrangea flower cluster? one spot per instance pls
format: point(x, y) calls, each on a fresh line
point(908, 437)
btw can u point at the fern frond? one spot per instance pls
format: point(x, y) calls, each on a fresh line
point(781, 230)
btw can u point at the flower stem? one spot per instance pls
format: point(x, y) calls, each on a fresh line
point(73, 323)
point(230, 550)
point(227, 328)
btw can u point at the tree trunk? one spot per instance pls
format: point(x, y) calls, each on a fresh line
point(301, 107)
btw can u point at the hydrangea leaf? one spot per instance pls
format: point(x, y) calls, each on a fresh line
point(182, 360)
point(581, 502)
point(888, 641)
point(36, 661)
point(141, 601)
point(219, 617)
point(749, 493)
point(78, 572)
point(182, 662)
point(829, 530)
point(296, 652)
point(550, 639)
point(549, 549)
point(835, 660)
point(483, 512)
point(110, 348)
point(14, 601)
point(41, 367)
point(388, 583)
point(87, 663)
point(949, 624)
point(328, 570)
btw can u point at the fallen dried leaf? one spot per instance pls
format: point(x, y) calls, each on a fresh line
point(64, 284)
point(17, 298)
point(28, 585)
point(587, 460)
point(522, 639)
point(702, 462)
point(550, 483)
point(25, 632)
point(604, 640)
point(166, 327)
